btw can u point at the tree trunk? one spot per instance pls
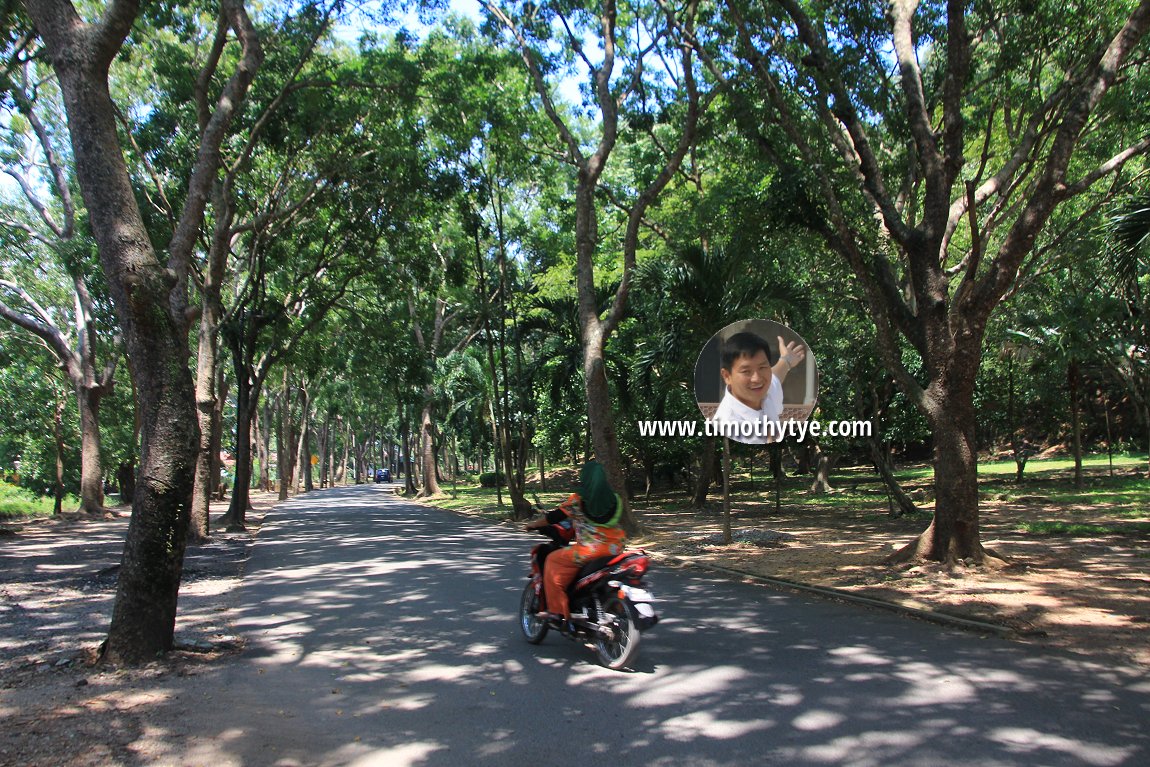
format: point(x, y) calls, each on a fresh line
point(284, 441)
point(802, 456)
point(496, 453)
point(330, 472)
point(648, 464)
point(706, 476)
point(953, 534)
point(308, 479)
point(302, 460)
point(234, 520)
point(1072, 382)
point(207, 371)
point(323, 432)
point(775, 462)
point(216, 443)
point(726, 491)
point(601, 420)
point(263, 422)
point(357, 449)
point(427, 448)
point(247, 419)
point(342, 478)
point(91, 466)
point(126, 480)
point(58, 433)
point(206, 364)
point(880, 455)
point(144, 614)
point(822, 483)
point(409, 487)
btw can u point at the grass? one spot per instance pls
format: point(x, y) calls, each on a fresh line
point(484, 502)
point(1035, 467)
point(475, 500)
point(1079, 529)
point(1047, 490)
point(18, 503)
point(1120, 494)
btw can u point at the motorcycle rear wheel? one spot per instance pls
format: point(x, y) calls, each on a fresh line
point(620, 648)
point(534, 630)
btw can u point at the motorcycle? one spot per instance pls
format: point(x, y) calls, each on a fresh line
point(610, 605)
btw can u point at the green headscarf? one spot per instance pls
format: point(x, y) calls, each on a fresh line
point(600, 504)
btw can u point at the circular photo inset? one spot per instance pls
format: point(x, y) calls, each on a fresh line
point(753, 379)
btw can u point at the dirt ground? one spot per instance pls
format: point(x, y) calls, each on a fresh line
point(57, 587)
point(1088, 595)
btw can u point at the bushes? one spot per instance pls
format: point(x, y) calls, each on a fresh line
point(492, 479)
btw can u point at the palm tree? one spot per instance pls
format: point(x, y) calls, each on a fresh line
point(1129, 245)
point(696, 292)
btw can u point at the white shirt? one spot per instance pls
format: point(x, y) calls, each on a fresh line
point(731, 410)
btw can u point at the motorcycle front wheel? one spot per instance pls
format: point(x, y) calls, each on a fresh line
point(534, 630)
point(618, 640)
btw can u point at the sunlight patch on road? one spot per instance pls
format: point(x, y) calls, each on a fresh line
point(704, 724)
point(857, 655)
point(871, 749)
point(502, 741)
point(442, 672)
point(1029, 741)
point(399, 701)
point(682, 687)
point(929, 685)
point(481, 649)
point(810, 721)
point(407, 755)
point(327, 570)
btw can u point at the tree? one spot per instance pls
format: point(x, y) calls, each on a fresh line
point(285, 199)
point(631, 39)
point(934, 171)
point(1129, 230)
point(326, 223)
point(36, 441)
point(77, 355)
point(150, 297)
point(46, 231)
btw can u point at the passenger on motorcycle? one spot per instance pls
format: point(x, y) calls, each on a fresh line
point(597, 511)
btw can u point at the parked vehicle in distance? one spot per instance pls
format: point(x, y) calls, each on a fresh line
point(383, 475)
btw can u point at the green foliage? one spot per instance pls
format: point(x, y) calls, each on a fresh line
point(20, 503)
point(492, 479)
point(30, 389)
point(418, 164)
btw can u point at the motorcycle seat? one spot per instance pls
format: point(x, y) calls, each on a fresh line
point(598, 563)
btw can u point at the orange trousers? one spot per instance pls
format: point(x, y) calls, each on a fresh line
point(558, 571)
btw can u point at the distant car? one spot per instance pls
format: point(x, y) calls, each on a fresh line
point(383, 475)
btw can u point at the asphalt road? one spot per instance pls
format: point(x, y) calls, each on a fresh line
point(384, 633)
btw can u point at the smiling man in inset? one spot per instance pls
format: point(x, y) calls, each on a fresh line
point(754, 375)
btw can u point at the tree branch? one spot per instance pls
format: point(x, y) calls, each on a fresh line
point(1094, 85)
point(59, 176)
point(575, 154)
point(208, 158)
point(42, 326)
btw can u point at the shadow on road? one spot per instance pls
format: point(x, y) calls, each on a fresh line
point(384, 633)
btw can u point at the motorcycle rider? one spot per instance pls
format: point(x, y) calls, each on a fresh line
point(597, 511)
